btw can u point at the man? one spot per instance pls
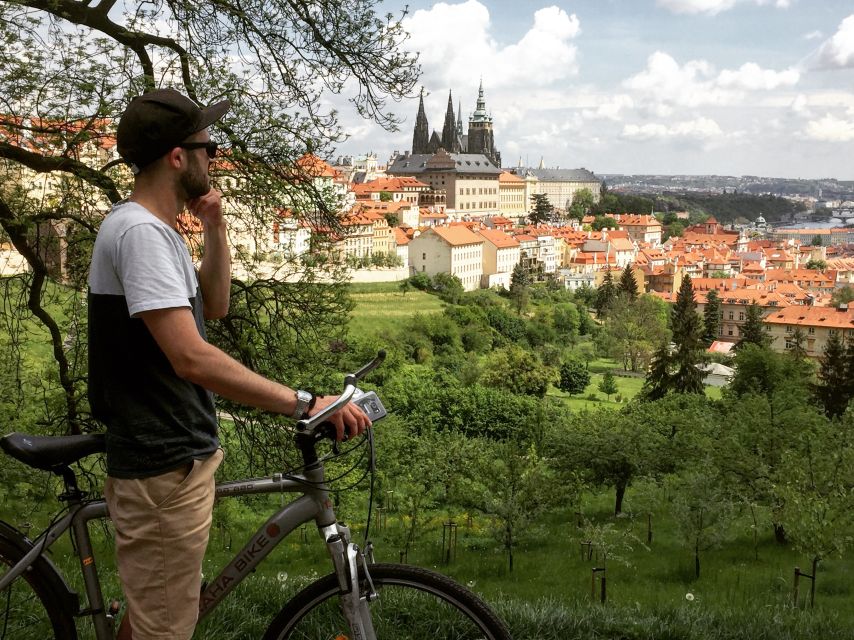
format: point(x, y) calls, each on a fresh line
point(152, 372)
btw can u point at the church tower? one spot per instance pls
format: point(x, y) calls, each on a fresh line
point(450, 142)
point(480, 137)
point(421, 135)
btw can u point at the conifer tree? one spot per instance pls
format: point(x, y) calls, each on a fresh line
point(687, 335)
point(831, 388)
point(797, 340)
point(753, 330)
point(628, 286)
point(711, 317)
point(658, 378)
point(605, 295)
point(608, 384)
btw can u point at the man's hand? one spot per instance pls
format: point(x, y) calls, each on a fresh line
point(207, 208)
point(350, 419)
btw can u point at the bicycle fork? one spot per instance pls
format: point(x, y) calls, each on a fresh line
point(354, 604)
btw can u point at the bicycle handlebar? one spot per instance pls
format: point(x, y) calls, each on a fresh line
point(350, 380)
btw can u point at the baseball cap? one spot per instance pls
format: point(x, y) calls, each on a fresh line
point(158, 121)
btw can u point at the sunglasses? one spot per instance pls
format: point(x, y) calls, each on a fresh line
point(210, 147)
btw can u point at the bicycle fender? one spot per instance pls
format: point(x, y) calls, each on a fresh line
point(64, 597)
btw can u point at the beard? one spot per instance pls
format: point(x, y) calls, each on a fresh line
point(195, 181)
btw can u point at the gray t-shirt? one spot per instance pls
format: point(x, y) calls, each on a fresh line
point(155, 420)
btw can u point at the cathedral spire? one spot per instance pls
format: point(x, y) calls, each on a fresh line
point(480, 114)
point(460, 119)
point(421, 134)
point(449, 131)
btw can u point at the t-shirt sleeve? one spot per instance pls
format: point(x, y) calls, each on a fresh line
point(149, 266)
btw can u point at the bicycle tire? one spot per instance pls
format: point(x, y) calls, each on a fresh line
point(413, 604)
point(27, 606)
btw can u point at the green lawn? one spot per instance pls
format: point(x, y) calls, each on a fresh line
point(382, 307)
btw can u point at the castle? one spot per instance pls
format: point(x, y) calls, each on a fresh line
point(479, 139)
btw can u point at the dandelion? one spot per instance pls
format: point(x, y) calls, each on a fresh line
point(282, 576)
point(689, 597)
point(471, 584)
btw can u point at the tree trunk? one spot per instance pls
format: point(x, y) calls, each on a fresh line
point(697, 560)
point(780, 533)
point(621, 492)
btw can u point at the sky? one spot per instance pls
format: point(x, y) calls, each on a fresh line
point(726, 87)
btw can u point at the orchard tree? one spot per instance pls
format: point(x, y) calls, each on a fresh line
point(574, 377)
point(67, 71)
point(608, 384)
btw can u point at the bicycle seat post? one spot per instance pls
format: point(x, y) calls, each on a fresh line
point(72, 493)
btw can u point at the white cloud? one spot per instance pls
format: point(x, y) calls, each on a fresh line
point(830, 129)
point(713, 7)
point(838, 51)
point(456, 46)
point(697, 129)
point(750, 76)
point(814, 35)
point(610, 109)
point(665, 83)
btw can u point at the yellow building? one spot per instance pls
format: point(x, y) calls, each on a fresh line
point(453, 249)
point(816, 323)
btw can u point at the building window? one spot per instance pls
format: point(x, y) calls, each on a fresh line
point(832, 332)
point(729, 332)
point(731, 315)
point(741, 315)
point(811, 331)
point(788, 329)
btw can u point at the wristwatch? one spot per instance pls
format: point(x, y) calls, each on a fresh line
point(305, 400)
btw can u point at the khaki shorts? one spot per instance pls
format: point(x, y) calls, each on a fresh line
point(162, 525)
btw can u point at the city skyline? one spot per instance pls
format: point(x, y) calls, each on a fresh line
point(728, 87)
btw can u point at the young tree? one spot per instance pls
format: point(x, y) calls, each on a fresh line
point(753, 330)
point(843, 295)
point(687, 335)
point(604, 222)
point(831, 389)
point(574, 377)
point(817, 264)
point(711, 317)
point(519, 371)
point(632, 330)
point(608, 384)
point(542, 209)
point(628, 285)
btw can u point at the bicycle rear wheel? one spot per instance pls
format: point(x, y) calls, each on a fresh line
point(28, 606)
point(413, 604)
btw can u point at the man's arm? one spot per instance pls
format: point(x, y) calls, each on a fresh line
point(215, 272)
point(195, 360)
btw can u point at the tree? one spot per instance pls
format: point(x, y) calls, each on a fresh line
point(817, 264)
point(658, 378)
point(633, 330)
point(832, 388)
point(582, 201)
point(566, 320)
point(711, 317)
point(385, 196)
point(605, 295)
point(96, 59)
point(687, 335)
point(541, 209)
point(519, 371)
point(628, 285)
point(843, 295)
point(604, 222)
point(753, 330)
point(520, 284)
point(816, 241)
point(574, 377)
point(608, 384)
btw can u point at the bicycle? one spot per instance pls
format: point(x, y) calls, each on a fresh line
point(361, 599)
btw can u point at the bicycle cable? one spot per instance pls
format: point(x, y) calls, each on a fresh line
point(373, 472)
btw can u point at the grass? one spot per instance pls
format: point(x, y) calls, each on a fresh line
point(381, 307)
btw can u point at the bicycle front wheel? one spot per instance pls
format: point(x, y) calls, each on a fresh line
point(413, 604)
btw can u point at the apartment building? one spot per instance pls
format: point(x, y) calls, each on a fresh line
point(816, 323)
point(455, 250)
point(501, 252)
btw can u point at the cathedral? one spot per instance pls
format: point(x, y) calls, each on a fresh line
point(479, 139)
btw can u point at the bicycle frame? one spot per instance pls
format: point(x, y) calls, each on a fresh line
point(314, 504)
